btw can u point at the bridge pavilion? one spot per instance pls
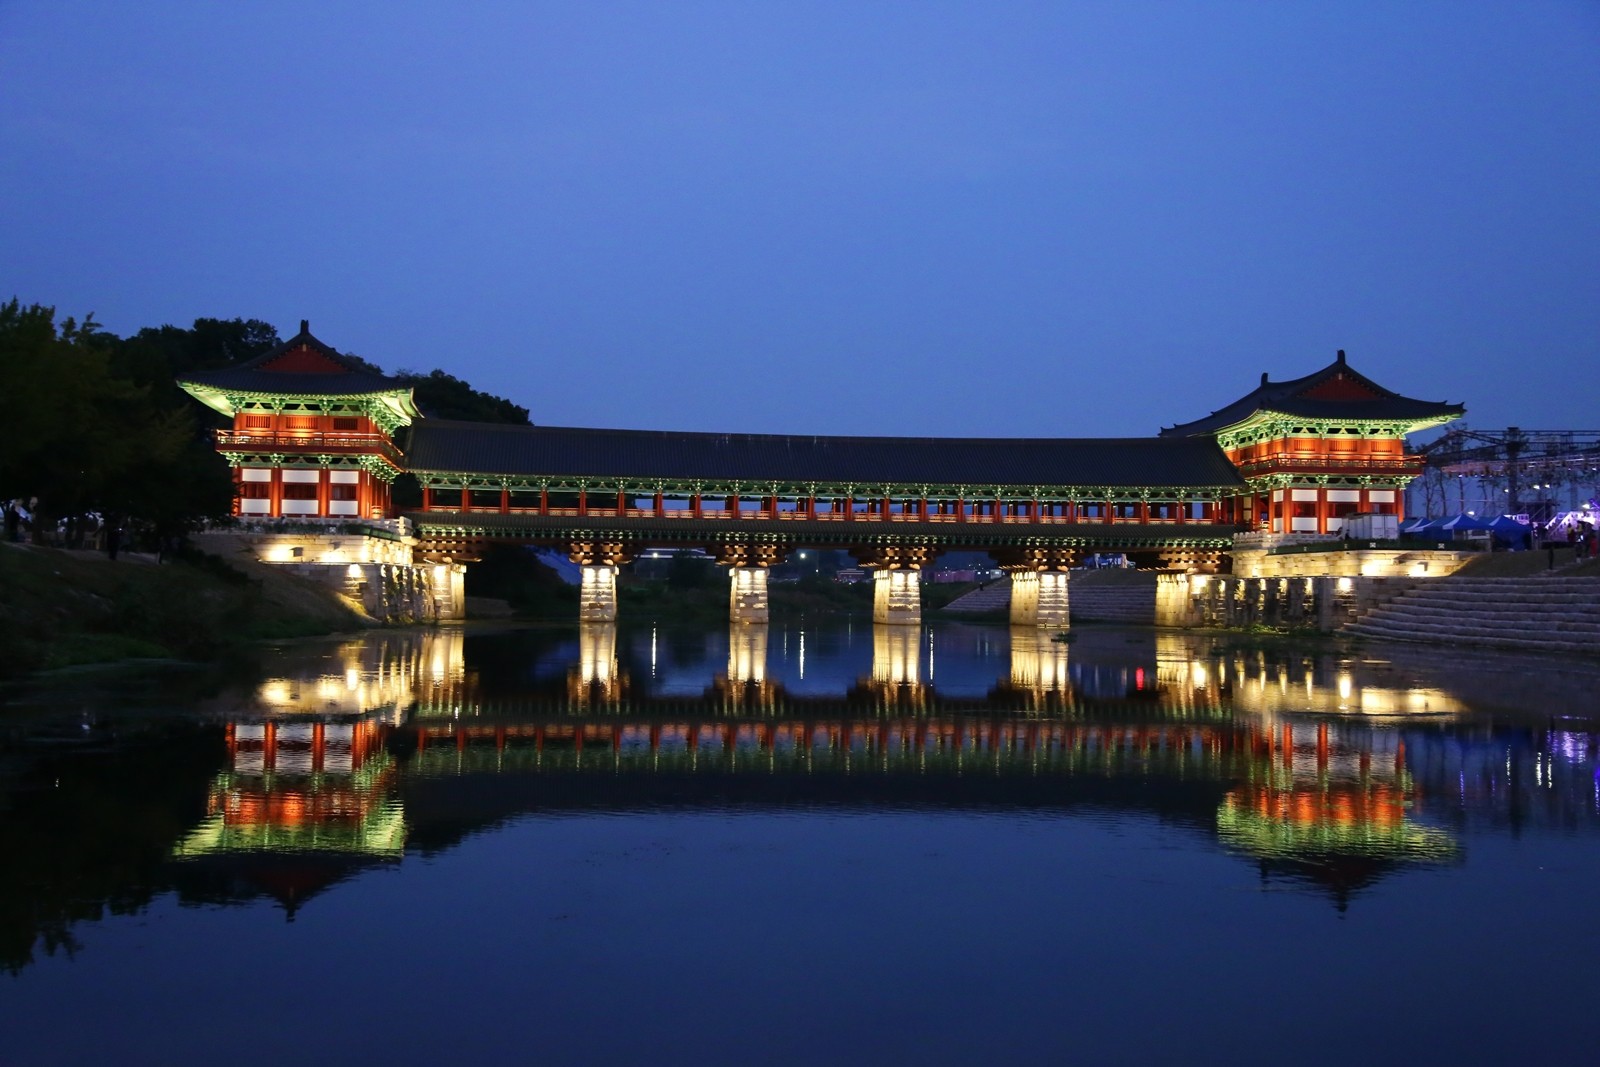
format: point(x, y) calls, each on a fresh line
point(317, 435)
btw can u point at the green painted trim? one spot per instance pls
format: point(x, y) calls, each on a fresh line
point(1269, 425)
point(390, 410)
point(1049, 494)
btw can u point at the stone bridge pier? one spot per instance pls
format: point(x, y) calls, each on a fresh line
point(896, 581)
point(1039, 585)
point(598, 564)
point(748, 566)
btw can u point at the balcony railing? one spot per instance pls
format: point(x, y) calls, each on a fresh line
point(310, 441)
point(1399, 464)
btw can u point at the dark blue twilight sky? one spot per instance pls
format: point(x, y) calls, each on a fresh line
point(974, 219)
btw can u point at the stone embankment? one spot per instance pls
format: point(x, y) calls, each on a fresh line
point(1556, 614)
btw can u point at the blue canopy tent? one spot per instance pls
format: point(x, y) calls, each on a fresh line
point(1461, 527)
point(1511, 533)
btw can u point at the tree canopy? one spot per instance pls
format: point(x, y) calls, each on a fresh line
point(93, 423)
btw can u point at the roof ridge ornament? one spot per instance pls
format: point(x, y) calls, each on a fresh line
point(1340, 358)
point(305, 327)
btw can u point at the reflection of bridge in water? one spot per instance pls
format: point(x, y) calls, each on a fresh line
point(1317, 767)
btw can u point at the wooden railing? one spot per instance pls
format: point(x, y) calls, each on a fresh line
point(310, 441)
point(707, 514)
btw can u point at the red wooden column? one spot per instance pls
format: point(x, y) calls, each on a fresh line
point(694, 505)
point(544, 500)
point(275, 493)
point(322, 490)
point(583, 501)
point(505, 500)
point(1144, 512)
point(466, 499)
point(1322, 509)
point(622, 502)
point(427, 498)
point(961, 509)
point(656, 504)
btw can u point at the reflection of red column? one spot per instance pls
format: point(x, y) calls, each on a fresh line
point(233, 744)
point(1322, 746)
point(500, 738)
point(655, 737)
point(318, 745)
point(1400, 756)
point(1288, 745)
point(269, 746)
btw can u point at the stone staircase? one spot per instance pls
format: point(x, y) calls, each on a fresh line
point(994, 597)
point(1113, 595)
point(1109, 595)
point(1557, 614)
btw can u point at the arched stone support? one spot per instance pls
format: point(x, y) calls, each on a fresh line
point(1039, 598)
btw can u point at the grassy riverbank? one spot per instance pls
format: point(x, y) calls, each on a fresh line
point(61, 609)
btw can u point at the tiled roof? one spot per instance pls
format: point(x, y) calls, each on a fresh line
point(301, 366)
point(545, 451)
point(1332, 393)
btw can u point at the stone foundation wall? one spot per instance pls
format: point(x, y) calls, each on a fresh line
point(1314, 604)
point(379, 573)
point(1350, 562)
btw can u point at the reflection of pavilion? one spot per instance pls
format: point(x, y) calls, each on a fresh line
point(302, 806)
point(1330, 805)
point(301, 785)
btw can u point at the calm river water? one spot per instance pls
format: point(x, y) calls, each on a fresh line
point(839, 845)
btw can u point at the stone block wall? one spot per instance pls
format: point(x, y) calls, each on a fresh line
point(1315, 604)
